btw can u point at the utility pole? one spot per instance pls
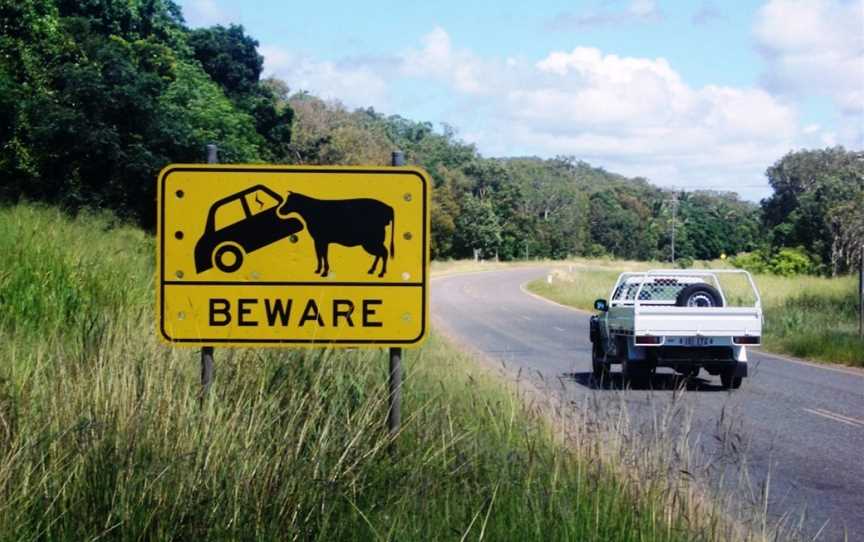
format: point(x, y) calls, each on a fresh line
point(674, 203)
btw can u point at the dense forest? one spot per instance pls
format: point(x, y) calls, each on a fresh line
point(96, 96)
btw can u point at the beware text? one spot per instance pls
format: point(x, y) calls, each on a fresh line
point(253, 312)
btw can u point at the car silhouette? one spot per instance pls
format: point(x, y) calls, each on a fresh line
point(239, 224)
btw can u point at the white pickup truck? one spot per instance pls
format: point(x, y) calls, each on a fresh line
point(680, 319)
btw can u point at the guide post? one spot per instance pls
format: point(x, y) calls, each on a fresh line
point(861, 295)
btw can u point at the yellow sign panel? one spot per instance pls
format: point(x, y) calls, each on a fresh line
point(269, 255)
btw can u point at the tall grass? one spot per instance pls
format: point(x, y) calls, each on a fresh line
point(809, 317)
point(54, 276)
point(102, 435)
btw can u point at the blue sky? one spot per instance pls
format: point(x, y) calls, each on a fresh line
point(700, 94)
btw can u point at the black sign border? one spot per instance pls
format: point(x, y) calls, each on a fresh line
point(163, 177)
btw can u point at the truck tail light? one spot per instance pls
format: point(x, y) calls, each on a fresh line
point(749, 339)
point(645, 340)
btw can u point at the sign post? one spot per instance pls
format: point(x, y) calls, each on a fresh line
point(207, 351)
point(394, 413)
point(861, 295)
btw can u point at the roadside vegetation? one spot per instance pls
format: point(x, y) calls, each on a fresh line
point(810, 317)
point(102, 434)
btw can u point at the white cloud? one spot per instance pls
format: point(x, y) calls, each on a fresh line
point(636, 11)
point(645, 9)
point(637, 116)
point(208, 13)
point(707, 14)
point(437, 59)
point(355, 84)
point(816, 47)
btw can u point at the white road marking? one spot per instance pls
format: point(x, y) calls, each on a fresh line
point(559, 328)
point(525, 317)
point(843, 416)
point(525, 291)
point(854, 422)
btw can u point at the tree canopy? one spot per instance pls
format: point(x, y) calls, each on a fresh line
point(818, 204)
point(96, 96)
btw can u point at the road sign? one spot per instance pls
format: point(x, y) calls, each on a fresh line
point(270, 255)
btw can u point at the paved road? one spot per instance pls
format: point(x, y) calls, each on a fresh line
point(801, 423)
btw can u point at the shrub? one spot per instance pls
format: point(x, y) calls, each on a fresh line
point(791, 261)
point(755, 262)
point(786, 262)
point(684, 263)
point(595, 250)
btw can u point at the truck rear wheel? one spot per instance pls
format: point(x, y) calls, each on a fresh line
point(599, 367)
point(729, 381)
point(636, 375)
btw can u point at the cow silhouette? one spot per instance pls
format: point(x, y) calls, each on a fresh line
point(348, 222)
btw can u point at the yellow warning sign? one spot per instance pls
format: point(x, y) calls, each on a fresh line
point(270, 255)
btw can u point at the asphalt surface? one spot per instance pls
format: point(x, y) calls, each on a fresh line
point(799, 428)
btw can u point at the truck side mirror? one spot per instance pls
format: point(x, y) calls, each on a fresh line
point(601, 305)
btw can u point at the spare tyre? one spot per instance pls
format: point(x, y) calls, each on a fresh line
point(699, 295)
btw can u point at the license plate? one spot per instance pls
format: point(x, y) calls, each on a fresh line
point(696, 341)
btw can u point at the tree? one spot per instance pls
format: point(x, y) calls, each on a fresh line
point(813, 190)
point(477, 228)
point(620, 221)
point(229, 57)
point(445, 209)
point(105, 95)
point(194, 111)
point(132, 20)
point(89, 135)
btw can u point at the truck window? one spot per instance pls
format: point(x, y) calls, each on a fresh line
point(229, 213)
point(259, 201)
point(666, 292)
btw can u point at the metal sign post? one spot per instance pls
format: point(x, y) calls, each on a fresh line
point(207, 351)
point(394, 413)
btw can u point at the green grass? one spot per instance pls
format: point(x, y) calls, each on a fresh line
point(102, 435)
point(808, 317)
